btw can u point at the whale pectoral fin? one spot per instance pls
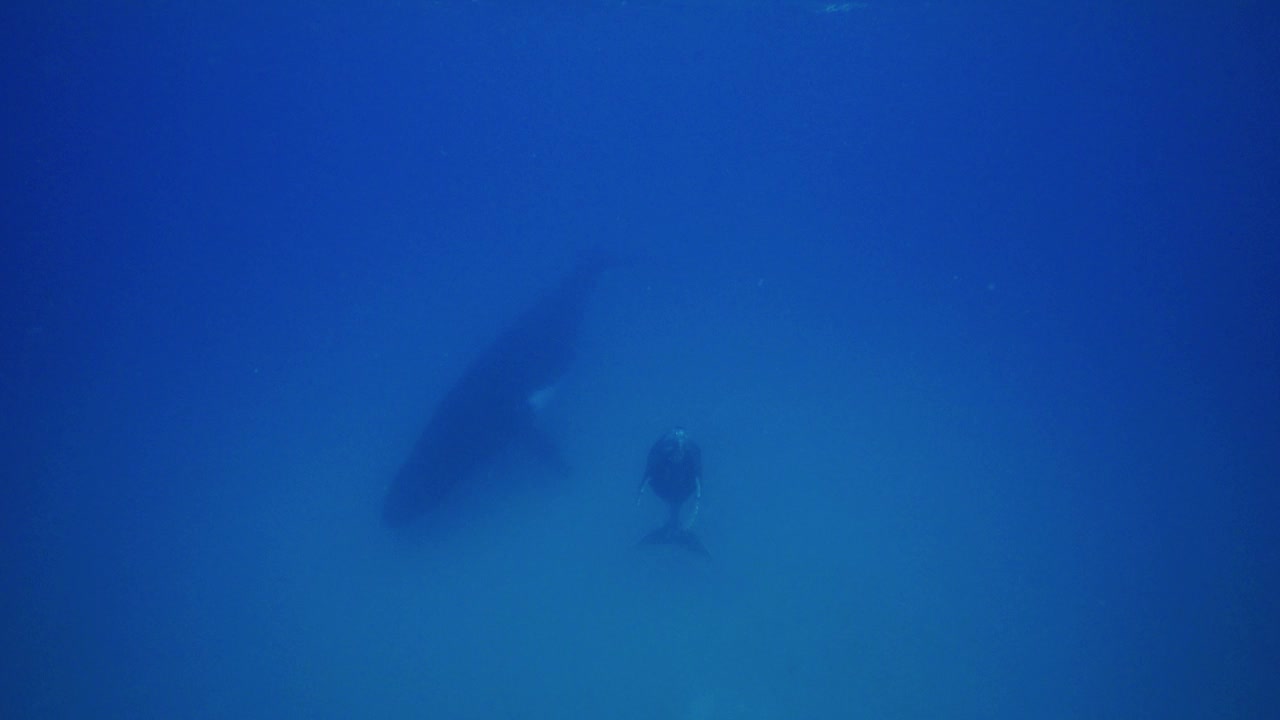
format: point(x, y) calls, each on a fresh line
point(697, 502)
point(540, 398)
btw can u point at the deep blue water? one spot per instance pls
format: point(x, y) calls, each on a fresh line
point(974, 310)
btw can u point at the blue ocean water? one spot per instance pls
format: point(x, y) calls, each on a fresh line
point(973, 310)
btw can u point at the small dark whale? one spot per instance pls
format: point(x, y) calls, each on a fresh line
point(674, 473)
point(492, 404)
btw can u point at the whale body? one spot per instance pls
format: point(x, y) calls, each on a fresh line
point(494, 401)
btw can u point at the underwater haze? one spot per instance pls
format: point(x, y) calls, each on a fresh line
point(973, 309)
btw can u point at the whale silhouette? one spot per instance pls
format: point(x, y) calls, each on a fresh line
point(493, 403)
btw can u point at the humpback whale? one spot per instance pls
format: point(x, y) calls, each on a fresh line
point(674, 473)
point(493, 402)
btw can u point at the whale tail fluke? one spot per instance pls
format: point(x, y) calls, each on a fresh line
point(670, 534)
